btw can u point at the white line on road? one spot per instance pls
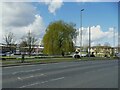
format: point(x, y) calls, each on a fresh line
point(28, 85)
point(19, 66)
point(41, 82)
point(12, 66)
point(22, 78)
point(26, 71)
point(44, 81)
point(57, 79)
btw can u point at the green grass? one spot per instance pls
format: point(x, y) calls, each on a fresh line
point(52, 60)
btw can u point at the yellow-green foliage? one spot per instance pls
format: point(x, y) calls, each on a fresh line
point(59, 38)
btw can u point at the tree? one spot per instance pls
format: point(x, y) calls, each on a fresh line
point(59, 38)
point(29, 41)
point(9, 40)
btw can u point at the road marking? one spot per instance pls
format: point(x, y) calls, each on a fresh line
point(12, 66)
point(19, 78)
point(26, 71)
point(44, 81)
point(57, 79)
point(28, 85)
point(19, 66)
point(22, 78)
point(41, 82)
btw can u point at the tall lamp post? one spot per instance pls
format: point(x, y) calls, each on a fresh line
point(81, 28)
point(89, 40)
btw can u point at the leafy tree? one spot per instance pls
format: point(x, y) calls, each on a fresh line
point(59, 38)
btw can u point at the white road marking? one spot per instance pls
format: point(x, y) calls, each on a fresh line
point(19, 66)
point(57, 79)
point(13, 66)
point(22, 78)
point(28, 85)
point(26, 71)
point(19, 78)
point(41, 82)
point(44, 81)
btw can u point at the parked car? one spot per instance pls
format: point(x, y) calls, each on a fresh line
point(76, 55)
point(2, 54)
point(9, 53)
point(117, 55)
point(84, 55)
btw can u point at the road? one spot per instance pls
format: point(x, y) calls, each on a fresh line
point(79, 74)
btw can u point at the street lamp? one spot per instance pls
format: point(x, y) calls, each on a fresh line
point(89, 40)
point(81, 28)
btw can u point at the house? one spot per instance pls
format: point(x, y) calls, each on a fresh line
point(100, 51)
point(103, 51)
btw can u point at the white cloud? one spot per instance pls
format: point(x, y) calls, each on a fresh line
point(19, 18)
point(63, 0)
point(98, 36)
point(18, 14)
point(0, 21)
point(53, 5)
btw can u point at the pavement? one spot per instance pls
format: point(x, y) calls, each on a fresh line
point(80, 74)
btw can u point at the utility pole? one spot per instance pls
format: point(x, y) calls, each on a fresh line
point(114, 41)
point(114, 37)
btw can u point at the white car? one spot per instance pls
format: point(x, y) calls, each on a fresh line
point(76, 55)
point(118, 55)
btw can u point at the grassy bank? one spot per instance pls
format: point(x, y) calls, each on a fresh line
point(51, 60)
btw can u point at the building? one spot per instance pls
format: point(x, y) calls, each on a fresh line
point(103, 51)
point(100, 51)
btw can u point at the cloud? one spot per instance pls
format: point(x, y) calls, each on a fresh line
point(53, 5)
point(19, 18)
point(98, 36)
point(0, 21)
point(63, 0)
point(18, 14)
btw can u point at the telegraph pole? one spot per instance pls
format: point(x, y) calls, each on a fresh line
point(114, 37)
point(114, 41)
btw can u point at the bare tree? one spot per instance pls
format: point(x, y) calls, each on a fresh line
point(29, 41)
point(9, 40)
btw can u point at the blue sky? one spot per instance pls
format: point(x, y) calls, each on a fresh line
point(20, 17)
point(95, 13)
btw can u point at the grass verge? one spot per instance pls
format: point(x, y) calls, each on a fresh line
point(51, 60)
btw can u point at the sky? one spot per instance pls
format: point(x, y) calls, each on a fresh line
point(102, 17)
